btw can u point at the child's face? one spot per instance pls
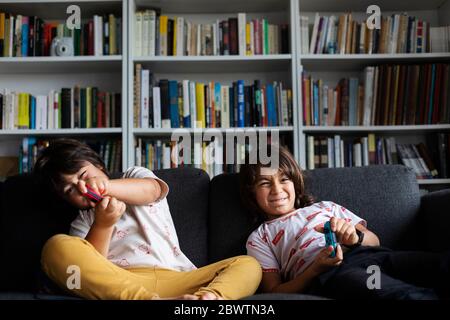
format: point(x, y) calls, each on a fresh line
point(70, 191)
point(275, 193)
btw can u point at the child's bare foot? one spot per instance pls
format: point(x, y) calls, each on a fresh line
point(210, 296)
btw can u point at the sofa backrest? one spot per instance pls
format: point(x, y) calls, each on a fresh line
point(188, 203)
point(386, 196)
point(29, 215)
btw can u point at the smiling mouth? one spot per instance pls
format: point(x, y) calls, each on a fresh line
point(278, 200)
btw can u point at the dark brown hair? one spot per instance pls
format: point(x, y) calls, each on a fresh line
point(64, 156)
point(249, 174)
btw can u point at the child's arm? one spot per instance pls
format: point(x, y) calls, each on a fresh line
point(133, 191)
point(272, 282)
point(107, 212)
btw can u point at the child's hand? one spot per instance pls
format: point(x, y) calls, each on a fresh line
point(324, 262)
point(108, 211)
point(345, 231)
point(98, 184)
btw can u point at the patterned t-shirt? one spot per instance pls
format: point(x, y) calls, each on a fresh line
point(289, 244)
point(144, 236)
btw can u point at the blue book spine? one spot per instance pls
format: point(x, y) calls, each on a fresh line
point(33, 112)
point(187, 121)
point(231, 111)
point(24, 40)
point(433, 76)
point(270, 105)
point(241, 105)
point(173, 102)
point(316, 104)
point(217, 104)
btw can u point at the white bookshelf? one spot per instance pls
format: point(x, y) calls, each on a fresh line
point(225, 69)
point(332, 67)
point(39, 75)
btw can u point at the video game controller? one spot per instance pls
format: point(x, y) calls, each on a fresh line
point(330, 238)
point(92, 195)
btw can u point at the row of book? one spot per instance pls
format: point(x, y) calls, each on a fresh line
point(75, 107)
point(189, 104)
point(428, 160)
point(389, 95)
point(29, 36)
point(161, 35)
point(398, 33)
point(109, 150)
point(211, 156)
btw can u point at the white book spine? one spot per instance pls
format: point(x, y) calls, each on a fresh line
point(198, 155)
point(337, 151)
point(241, 33)
point(368, 95)
point(145, 75)
point(341, 153)
point(330, 146)
point(192, 103)
point(215, 36)
point(180, 36)
point(166, 156)
point(199, 39)
point(365, 151)
point(314, 34)
point(310, 153)
point(188, 38)
point(137, 33)
point(357, 160)
point(38, 114)
point(146, 33)
point(152, 34)
point(156, 107)
point(50, 113)
point(56, 111)
point(225, 91)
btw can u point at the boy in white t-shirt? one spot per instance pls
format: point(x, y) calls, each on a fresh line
point(126, 246)
point(290, 245)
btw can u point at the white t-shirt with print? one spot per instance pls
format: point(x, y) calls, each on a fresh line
point(289, 244)
point(144, 236)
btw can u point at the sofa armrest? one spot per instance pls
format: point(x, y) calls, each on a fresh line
point(435, 216)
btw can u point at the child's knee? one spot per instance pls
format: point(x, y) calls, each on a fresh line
point(58, 248)
point(252, 266)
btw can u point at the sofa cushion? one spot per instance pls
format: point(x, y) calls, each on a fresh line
point(188, 203)
point(29, 215)
point(386, 196)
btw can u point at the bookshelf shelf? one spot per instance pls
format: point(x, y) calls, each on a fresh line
point(380, 129)
point(355, 62)
point(59, 132)
point(150, 132)
point(433, 181)
point(361, 5)
point(214, 64)
point(78, 64)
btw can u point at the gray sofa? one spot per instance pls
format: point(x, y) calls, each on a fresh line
point(211, 222)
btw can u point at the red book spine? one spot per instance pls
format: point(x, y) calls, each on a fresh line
point(91, 38)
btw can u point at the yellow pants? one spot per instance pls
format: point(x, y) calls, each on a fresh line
point(233, 278)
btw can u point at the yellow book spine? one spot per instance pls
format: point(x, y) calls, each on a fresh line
point(200, 101)
point(174, 48)
point(248, 39)
point(112, 35)
point(163, 35)
point(2, 26)
point(24, 111)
